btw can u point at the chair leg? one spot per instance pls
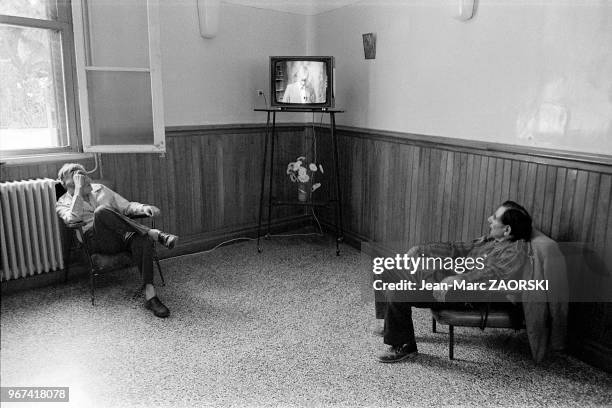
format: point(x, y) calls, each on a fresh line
point(161, 275)
point(433, 325)
point(91, 285)
point(451, 342)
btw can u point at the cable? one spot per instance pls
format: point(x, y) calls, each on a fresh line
point(210, 250)
point(320, 233)
point(95, 166)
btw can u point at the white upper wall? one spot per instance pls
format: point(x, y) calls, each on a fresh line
point(535, 73)
point(213, 81)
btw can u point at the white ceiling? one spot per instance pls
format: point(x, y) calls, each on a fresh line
point(305, 7)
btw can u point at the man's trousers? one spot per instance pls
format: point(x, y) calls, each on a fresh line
point(113, 232)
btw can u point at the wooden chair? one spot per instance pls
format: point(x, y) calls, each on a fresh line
point(74, 239)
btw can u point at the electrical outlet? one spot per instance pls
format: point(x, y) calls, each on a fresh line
point(259, 92)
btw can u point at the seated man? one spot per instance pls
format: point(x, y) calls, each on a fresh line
point(108, 228)
point(503, 253)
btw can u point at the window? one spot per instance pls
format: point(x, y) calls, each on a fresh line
point(118, 62)
point(97, 61)
point(37, 97)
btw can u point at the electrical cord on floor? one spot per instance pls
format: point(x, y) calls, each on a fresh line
point(320, 233)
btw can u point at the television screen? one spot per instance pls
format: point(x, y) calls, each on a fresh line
point(301, 82)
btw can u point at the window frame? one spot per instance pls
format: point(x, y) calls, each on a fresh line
point(64, 25)
point(80, 15)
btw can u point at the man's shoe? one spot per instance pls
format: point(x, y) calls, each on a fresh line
point(398, 353)
point(157, 307)
point(167, 240)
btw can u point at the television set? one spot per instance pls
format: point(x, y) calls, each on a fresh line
point(302, 82)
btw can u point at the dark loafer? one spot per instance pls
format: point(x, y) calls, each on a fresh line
point(157, 307)
point(167, 240)
point(396, 354)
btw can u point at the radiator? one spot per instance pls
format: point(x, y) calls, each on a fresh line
point(29, 229)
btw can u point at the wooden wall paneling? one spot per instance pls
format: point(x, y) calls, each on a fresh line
point(387, 191)
point(183, 167)
point(172, 182)
point(499, 187)
point(368, 168)
point(549, 198)
point(438, 191)
point(607, 253)
point(423, 189)
point(254, 179)
point(196, 181)
point(375, 200)
point(245, 200)
point(352, 175)
point(219, 220)
point(602, 212)
point(401, 174)
point(568, 203)
point(395, 189)
point(150, 181)
point(230, 179)
point(537, 208)
point(447, 198)
point(161, 191)
point(558, 202)
point(590, 204)
point(350, 180)
point(437, 166)
point(530, 185)
point(209, 181)
point(460, 201)
point(578, 207)
point(189, 170)
point(33, 171)
point(455, 222)
point(414, 195)
point(522, 185)
point(373, 184)
point(472, 176)
point(514, 180)
point(490, 203)
point(507, 175)
point(130, 173)
point(119, 176)
point(481, 209)
point(360, 191)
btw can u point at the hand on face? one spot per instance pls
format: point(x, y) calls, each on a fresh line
point(82, 184)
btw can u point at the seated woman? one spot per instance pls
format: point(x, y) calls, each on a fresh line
point(504, 253)
point(108, 228)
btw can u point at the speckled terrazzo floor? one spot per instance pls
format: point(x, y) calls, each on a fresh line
point(270, 329)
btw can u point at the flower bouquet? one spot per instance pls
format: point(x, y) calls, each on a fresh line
point(303, 174)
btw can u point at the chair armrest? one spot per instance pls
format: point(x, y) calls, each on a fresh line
point(137, 216)
point(75, 224)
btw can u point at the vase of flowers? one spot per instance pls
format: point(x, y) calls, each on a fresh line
point(303, 173)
